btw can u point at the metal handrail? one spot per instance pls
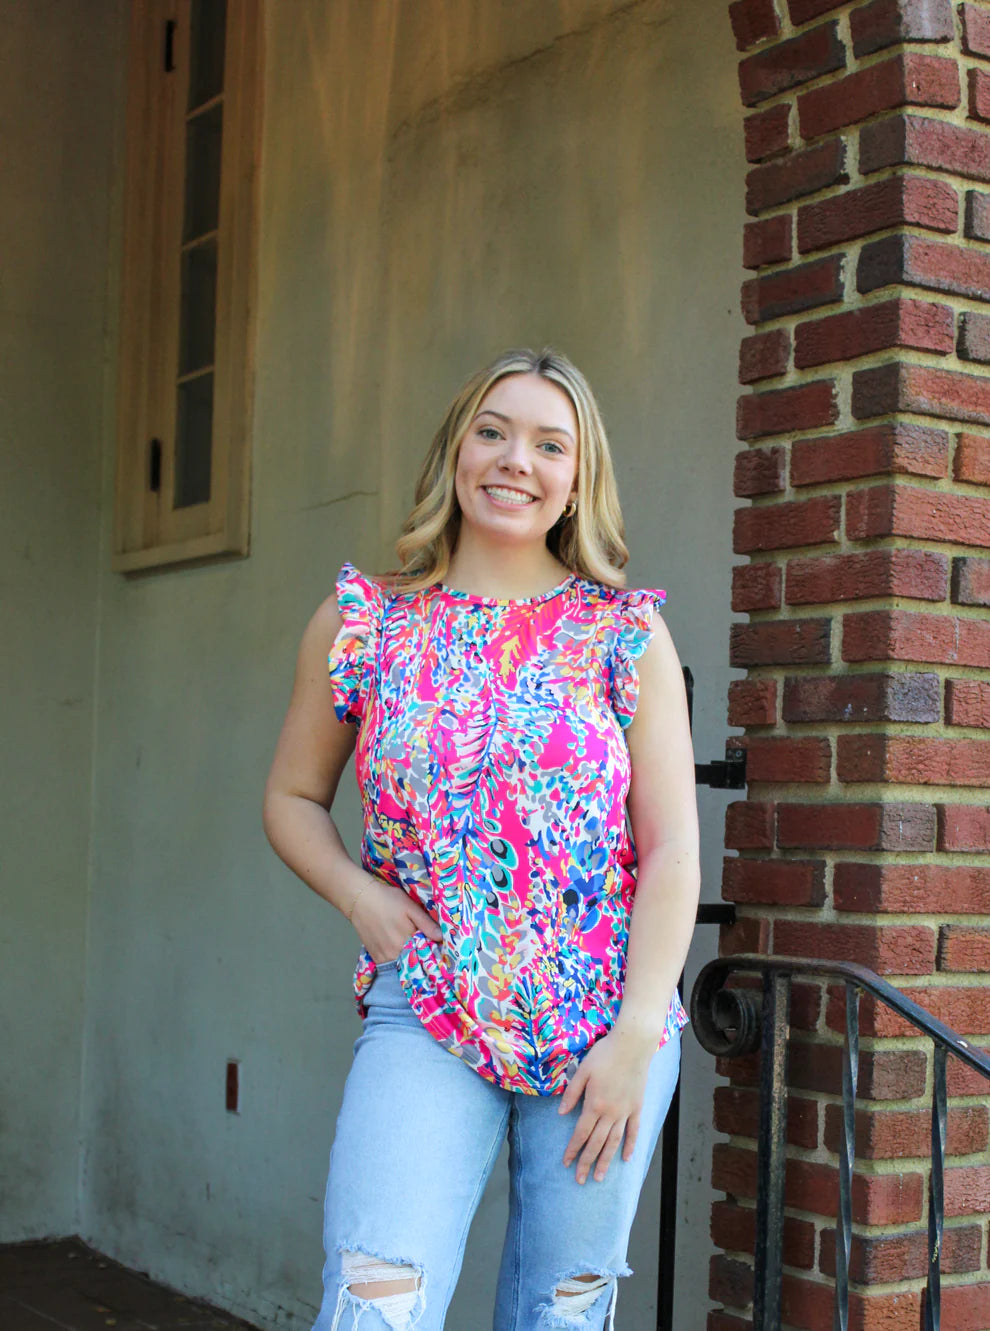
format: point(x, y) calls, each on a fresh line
point(732, 1022)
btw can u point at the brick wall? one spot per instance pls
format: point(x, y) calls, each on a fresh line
point(866, 705)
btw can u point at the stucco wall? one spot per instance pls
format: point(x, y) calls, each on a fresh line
point(440, 180)
point(57, 109)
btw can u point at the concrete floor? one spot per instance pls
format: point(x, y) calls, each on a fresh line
point(65, 1286)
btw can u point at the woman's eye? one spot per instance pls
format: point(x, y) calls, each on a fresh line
point(551, 444)
point(489, 432)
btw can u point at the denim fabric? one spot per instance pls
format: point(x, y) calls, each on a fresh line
point(416, 1140)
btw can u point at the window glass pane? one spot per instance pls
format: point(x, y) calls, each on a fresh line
point(193, 441)
point(206, 43)
point(203, 134)
point(199, 307)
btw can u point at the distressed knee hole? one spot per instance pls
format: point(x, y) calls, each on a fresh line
point(577, 1294)
point(391, 1288)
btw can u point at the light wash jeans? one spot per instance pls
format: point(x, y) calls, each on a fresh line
point(417, 1136)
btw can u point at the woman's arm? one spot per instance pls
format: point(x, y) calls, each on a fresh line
point(312, 752)
point(664, 817)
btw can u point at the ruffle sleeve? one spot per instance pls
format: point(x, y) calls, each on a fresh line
point(355, 648)
point(633, 611)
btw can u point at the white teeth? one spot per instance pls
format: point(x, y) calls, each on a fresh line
point(510, 496)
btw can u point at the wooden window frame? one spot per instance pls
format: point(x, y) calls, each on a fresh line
point(149, 531)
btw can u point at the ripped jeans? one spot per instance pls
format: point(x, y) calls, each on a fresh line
point(416, 1140)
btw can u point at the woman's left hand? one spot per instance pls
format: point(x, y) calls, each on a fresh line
point(612, 1078)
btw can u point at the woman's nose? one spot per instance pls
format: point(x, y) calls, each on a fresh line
point(515, 455)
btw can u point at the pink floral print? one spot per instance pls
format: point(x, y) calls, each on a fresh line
point(493, 772)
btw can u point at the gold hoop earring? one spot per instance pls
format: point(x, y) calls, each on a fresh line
point(570, 508)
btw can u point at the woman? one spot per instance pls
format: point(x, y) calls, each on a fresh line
point(510, 705)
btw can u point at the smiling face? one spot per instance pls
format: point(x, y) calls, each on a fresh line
point(517, 463)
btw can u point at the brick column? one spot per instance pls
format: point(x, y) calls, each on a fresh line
point(867, 698)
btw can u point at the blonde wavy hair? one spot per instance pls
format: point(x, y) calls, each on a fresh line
point(590, 542)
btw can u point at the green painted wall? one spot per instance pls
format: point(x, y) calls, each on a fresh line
point(57, 109)
point(440, 180)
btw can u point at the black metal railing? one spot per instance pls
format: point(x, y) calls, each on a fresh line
point(735, 1021)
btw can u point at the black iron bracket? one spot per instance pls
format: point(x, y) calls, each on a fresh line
point(727, 774)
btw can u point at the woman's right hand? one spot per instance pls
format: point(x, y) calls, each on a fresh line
point(386, 917)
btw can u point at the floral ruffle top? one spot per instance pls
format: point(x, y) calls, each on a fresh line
point(493, 772)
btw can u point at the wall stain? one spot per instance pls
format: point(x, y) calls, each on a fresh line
point(476, 88)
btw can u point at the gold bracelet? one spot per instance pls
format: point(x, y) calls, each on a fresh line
point(357, 898)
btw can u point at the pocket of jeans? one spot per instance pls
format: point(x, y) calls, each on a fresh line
point(386, 965)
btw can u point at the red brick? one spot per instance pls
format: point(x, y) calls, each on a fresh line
point(785, 525)
point(808, 1306)
point(898, 447)
point(905, 635)
point(904, 80)
point(788, 64)
point(903, 1134)
point(921, 574)
point(760, 471)
point(894, 1074)
point(749, 825)
point(737, 1112)
point(917, 324)
point(767, 241)
point(730, 1280)
point(734, 1227)
point(734, 1170)
point(795, 175)
point(877, 1259)
point(930, 515)
point(888, 22)
point(962, 948)
point(898, 201)
point(976, 223)
point(877, 1199)
point(921, 389)
point(972, 459)
point(976, 29)
point(964, 828)
point(967, 703)
point(774, 882)
point(916, 261)
point(784, 642)
point(961, 1079)
point(979, 95)
point(848, 826)
point(753, 21)
point(752, 702)
point(974, 337)
point(755, 587)
point(749, 933)
point(872, 697)
point(966, 1010)
point(873, 888)
point(964, 1307)
point(887, 949)
point(807, 406)
point(913, 760)
point(971, 585)
point(909, 140)
point(967, 1192)
point(791, 290)
point(764, 355)
point(767, 132)
point(786, 758)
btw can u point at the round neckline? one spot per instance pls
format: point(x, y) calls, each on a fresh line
point(475, 599)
